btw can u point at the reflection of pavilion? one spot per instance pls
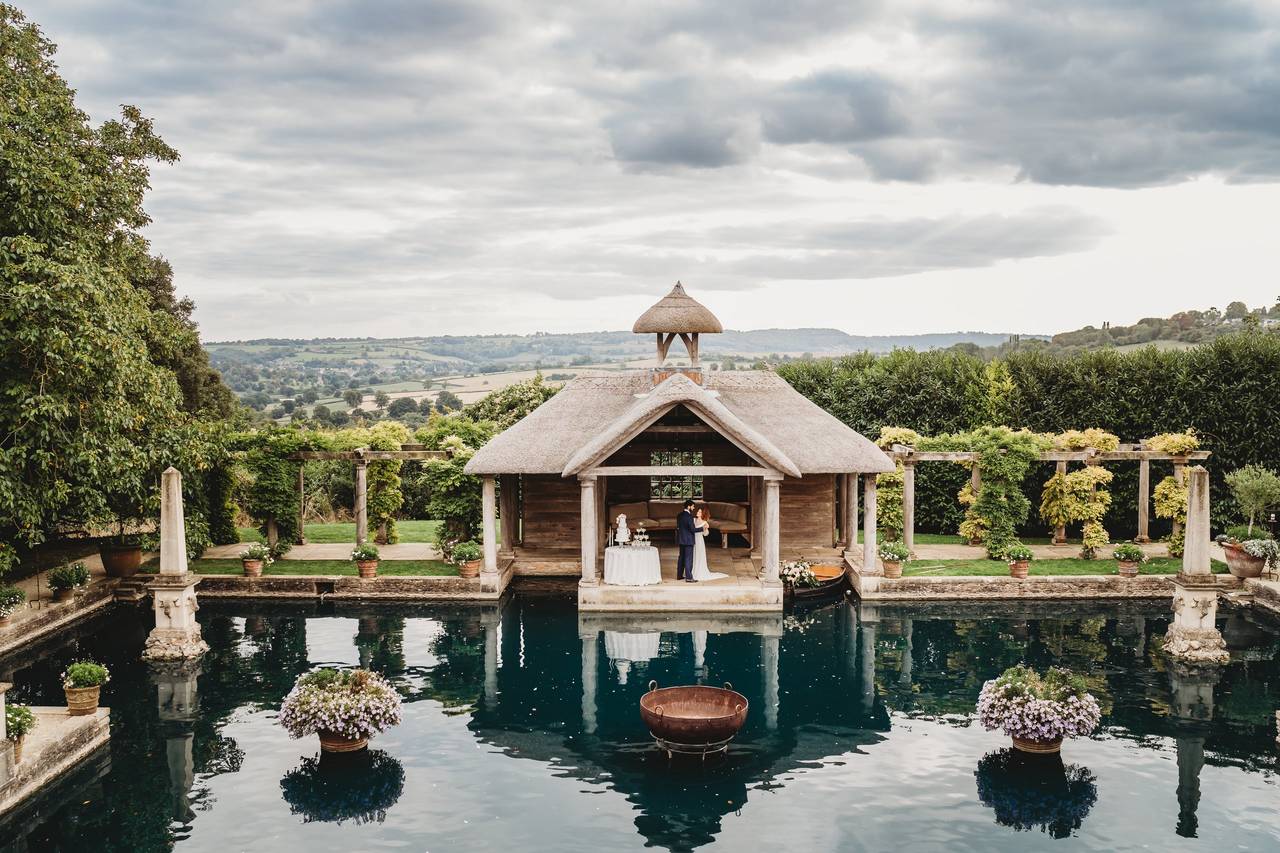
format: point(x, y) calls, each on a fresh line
point(797, 716)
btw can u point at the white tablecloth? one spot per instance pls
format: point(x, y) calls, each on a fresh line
point(628, 566)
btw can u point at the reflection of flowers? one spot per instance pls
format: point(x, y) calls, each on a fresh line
point(1036, 791)
point(358, 786)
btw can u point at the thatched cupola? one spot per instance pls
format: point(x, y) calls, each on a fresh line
point(678, 314)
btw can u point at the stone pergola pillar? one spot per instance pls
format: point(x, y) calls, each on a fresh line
point(362, 498)
point(769, 668)
point(489, 520)
point(1144, 501)
point(176, 636)
point(300, 538)
point(870, 557)
point(590, 657)
point(1179, 474)
point(909, 505)
point(1059, 532)
point(755, 492)
point(1193, 636)
point(772, 562)
point(588, 528)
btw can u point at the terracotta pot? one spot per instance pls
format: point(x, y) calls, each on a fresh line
point(1038, 747)
point(333, 742)
point(17, 750)
point(252, 568)
point(368, 568)
point(64, 594)
point(121, 561)
point(1019, 568)
point(892, 568)
point(1127, 568)
point(470, 569)
point(1241, 563)
point(6, 621)
point(82, 701)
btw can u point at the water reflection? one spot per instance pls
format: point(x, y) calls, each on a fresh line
point(832, 690)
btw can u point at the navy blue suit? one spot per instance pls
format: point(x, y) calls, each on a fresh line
point(685, 533)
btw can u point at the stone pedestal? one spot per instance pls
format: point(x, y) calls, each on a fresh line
point(1194, 637)
point(177, 634)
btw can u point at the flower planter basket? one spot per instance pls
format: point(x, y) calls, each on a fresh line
point(252, 568)
point(121, 561)
point(1241, 563)
point(470, 569)
point(1038, 747)
point(892, 568)
point(1127, 568)
point(368, 568)
point(1019, 568)
point(82, 701)
point(334, 742)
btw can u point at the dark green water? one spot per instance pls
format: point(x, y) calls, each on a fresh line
point(520, 734)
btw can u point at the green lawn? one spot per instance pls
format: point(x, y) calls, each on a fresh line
point(411, 530)
point(1062, 566)
point(432, 568)
point(952, 539)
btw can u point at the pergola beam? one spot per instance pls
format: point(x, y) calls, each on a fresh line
point(681, 471)
point(368, 455)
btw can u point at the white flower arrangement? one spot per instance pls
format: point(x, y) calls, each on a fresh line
point(798, 573)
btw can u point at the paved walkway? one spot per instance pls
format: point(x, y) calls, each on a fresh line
point(334, 551)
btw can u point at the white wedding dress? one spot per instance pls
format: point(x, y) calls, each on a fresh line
point(700, 570)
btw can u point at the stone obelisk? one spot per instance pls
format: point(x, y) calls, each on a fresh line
point(176, 636)
point(1193, 637)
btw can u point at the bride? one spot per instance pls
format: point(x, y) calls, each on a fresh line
point(700, 570)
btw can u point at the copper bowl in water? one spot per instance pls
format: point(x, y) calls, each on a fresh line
point(693, 715)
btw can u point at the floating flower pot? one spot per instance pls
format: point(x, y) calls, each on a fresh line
point(252, 568)
point(368, 568)
point(334, 742)
point(1038, 747)
point(1019, 568)
point(82, 701)
point(1127, 568)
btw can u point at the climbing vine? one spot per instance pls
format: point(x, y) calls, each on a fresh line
point(384, 497)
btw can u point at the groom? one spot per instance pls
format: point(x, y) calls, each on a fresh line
point(685, 531)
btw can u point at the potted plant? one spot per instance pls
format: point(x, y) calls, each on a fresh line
point(893, 555)
point(467, 556)
point(343, 707)
point(1250, 557)
point(1128, 557)
point(18, 720)
point(65, 580)
point(1019, 557)
point(366, 558)
point(11, 599)
point(254, 558)
point(82, 682)
point(121, 554)
point(1038, 711)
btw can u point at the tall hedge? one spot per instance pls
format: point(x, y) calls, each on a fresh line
point(1227, 390)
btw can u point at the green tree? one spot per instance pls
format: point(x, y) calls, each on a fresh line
point(508, 405)
point(1256, 489)
point(447, 401)
point(381, 399)
point(352, 397)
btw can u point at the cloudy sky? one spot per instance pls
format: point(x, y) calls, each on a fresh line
point(357, 167)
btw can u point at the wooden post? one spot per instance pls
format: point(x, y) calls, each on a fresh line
point(301, 537)
point(870, 557)
point(842, 522)
point(1179, 474)
point(488, 495)
point(1060, 532)
point(587, 525)
point(362, 513)
point(909, 505)
point(975, 477)
point(1144, 501)
point(507, 512)
point(772, 564)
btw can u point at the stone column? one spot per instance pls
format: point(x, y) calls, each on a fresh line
point(177, 633)
point(1060, 532)
point(769, 666)
point(1144, 501)
point(301, 537)
point(587, 529)
point(771, 563)
point(488, 512)
point(590, 658)
point(909, 505)
point(905, 673)
point(362, 497)
point(1193, 637)
point(869, 619)
point(870, 557)
point(508, 512)
point(489, 621)
point(755, 488)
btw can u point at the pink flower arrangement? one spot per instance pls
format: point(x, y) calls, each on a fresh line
point(1038, 708)
point(351, 703)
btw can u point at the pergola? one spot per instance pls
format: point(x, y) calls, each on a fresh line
point(908, 456)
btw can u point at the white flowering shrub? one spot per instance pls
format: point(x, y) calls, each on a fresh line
point(351, 703)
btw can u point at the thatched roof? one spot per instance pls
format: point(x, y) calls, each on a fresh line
point(677, 312)
point(592, 416)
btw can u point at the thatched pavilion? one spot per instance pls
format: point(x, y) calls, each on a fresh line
point(778, 473)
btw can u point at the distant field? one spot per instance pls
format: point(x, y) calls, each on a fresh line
point(1161, 345)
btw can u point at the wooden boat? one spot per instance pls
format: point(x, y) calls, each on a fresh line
point(831, 583)
point(695, 719)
